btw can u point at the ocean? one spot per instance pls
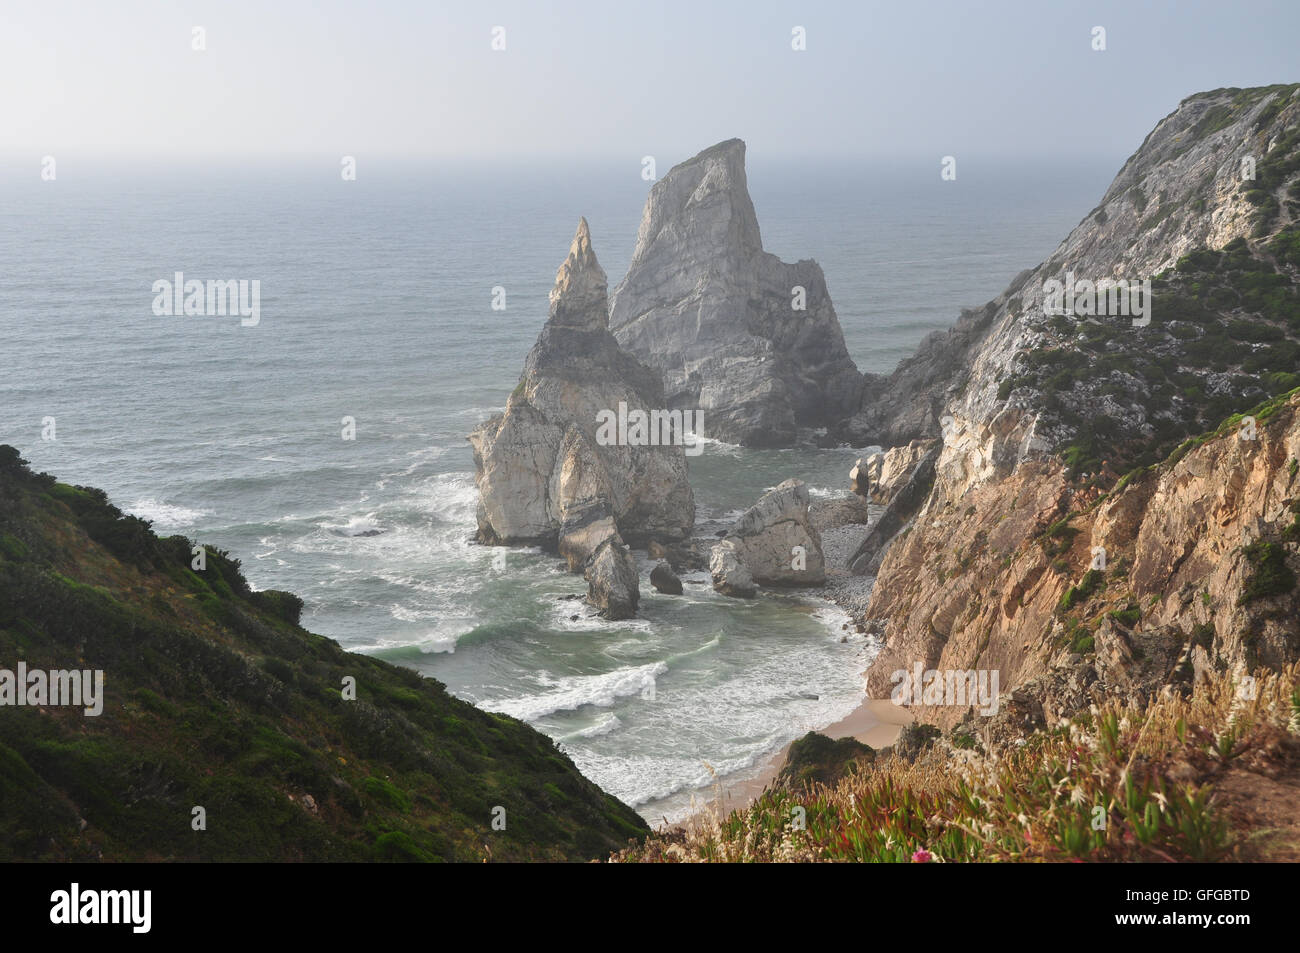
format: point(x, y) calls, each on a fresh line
point(375, 305)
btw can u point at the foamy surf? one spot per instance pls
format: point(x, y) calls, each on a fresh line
point(576, 691)
point(166, 515)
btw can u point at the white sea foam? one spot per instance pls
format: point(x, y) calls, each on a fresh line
point(357, 526)
point(574, 691)
point(166, 515)
point(588, 619)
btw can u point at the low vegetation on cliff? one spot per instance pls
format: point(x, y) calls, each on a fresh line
point(1227, 336)
point(1213, 774)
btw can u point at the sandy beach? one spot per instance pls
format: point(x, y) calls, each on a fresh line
point(875, 722)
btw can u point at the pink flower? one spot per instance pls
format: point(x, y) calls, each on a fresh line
point(921, 857)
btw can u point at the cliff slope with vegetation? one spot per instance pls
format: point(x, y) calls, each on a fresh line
point(1018, 382)
point(1065, 435)
point(217, 698)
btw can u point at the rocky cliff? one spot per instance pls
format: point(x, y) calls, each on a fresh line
point(1040, 413)
point(1016, 381)
point(547, 472)
point(751, 341)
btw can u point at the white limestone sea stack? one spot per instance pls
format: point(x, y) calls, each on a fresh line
point(750, 340)
point(543, 476)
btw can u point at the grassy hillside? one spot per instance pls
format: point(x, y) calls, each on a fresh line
point(216, 697)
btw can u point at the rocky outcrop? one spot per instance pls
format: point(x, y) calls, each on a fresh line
point(882, 474)
point(612, 579)
point(904, 502)
point(749, 340)
point(730, 576)
point(860, 478)
point(544, 471)
point(665, 580)
point(1027, 555)
point(774, 543)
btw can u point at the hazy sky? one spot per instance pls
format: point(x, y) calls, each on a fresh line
point(614, 78)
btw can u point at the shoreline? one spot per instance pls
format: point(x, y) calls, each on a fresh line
point(875, 722)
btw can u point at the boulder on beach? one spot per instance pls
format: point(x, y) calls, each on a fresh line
point(774, 543)
point(777, 541)
point(730, 577)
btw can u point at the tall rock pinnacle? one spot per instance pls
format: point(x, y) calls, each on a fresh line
point(579, 296)
point(751, 341)
point(545, 477)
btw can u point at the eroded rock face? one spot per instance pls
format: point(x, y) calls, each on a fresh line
point(545, 478)
point(986, 582)
point(774, 543)
point(721, 318)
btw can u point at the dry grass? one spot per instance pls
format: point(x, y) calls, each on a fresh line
point(1118, 784)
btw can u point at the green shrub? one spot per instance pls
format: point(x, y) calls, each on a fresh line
point(1271, 576)
point(1090, 583)
point(1128, 616)
point(285, 605)
point(395, 846)
point(387, 794)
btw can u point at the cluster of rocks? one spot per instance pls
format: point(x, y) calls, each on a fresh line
point(705, 321)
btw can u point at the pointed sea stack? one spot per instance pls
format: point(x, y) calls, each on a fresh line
point(748, 339)
point(545, 479)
